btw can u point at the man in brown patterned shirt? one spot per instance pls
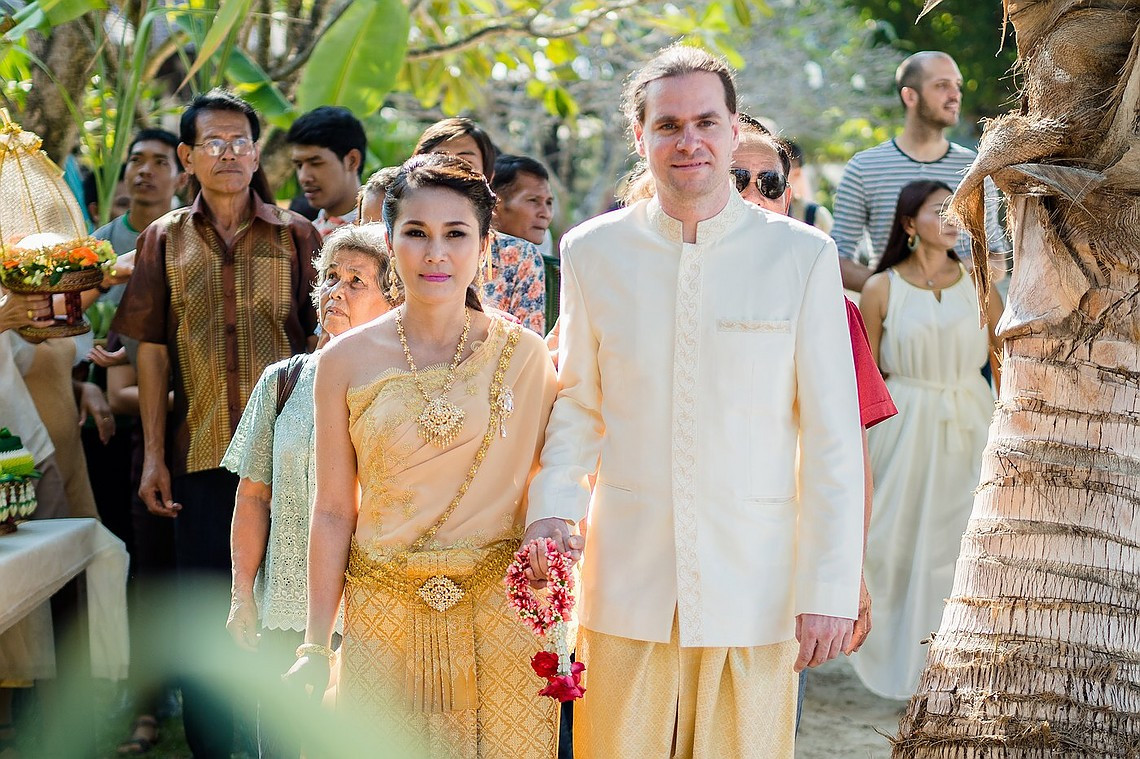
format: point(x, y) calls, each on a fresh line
point(220, 290)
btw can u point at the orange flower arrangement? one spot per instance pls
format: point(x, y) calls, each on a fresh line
point(36, 266)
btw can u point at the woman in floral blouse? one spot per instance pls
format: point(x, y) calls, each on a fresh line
point(516, 284)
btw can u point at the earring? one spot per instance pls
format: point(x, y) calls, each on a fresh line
point(393, 283)
point(912, 242)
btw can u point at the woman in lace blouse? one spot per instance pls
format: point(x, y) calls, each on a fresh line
point(273, 454)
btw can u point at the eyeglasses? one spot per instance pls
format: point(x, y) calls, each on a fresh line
point(241, 146)
point(771, 184)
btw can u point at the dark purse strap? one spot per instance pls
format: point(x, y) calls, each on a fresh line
point(287, 376)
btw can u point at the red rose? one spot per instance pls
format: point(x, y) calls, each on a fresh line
point(545, 664)
point(564, 688)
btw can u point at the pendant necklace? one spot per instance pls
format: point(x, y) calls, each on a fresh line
point(441, 420)
point(921, 273)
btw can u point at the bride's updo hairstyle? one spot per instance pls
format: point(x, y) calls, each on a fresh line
point(436, 170)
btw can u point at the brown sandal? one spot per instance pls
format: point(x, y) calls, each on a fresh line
point(137, 744)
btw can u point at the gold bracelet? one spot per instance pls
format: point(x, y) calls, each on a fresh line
point(306, 649)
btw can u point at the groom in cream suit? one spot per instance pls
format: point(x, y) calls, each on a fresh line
point(707, 379)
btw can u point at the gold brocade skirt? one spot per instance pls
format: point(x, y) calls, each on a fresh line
point(436, 660)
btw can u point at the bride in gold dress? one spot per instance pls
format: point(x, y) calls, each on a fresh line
point(437, 412)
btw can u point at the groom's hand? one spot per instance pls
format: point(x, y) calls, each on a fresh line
point(558, 530)
point(821, 639)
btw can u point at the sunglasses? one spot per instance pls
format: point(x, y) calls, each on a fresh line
point(771, 184)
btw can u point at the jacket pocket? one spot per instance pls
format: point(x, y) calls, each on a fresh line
point(764, 500)
point(770, 326)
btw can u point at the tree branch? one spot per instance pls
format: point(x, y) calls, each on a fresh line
point(292, 10)
point(295, 63)
point(263, 34)
point(529, 26)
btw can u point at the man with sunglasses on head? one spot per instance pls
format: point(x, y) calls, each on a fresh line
point(220, 290)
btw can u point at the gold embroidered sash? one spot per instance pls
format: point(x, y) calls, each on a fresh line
point(440, 589)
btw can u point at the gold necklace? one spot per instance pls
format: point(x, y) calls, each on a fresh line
point(441, 420)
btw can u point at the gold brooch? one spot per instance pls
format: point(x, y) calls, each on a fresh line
point(440, 593)
point(504, 404)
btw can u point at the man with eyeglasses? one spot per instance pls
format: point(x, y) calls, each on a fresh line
point(220, 291)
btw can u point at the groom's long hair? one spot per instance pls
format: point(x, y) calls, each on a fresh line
point(675, 60)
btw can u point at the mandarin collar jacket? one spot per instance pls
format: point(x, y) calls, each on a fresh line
point(711, 388)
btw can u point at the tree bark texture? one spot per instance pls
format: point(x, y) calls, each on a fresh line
point(67, 53)
point(1038, 654)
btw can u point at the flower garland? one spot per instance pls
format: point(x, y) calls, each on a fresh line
point(563, 677)
point(32, 266)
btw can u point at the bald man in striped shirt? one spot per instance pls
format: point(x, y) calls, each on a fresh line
point(930, 87)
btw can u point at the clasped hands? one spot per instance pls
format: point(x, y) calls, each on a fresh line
point(311, 673)
point(558, 530)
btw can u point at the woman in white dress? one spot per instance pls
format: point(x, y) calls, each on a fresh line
point(921, 311)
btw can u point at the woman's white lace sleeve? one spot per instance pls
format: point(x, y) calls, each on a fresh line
point(250, 454)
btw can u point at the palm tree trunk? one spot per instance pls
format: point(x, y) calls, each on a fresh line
point(1038, 654)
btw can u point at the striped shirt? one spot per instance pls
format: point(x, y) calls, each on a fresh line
point(869, 191)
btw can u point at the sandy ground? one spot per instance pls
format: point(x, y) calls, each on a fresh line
point(840, 716)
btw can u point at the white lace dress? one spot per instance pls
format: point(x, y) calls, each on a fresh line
point(278, 451)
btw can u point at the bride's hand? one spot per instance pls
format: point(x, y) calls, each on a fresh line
point(561, 532)
point(310, 673)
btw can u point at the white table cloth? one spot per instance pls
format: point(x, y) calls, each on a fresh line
point(42, 556)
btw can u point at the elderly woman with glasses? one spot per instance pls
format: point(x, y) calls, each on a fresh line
point(273, 454)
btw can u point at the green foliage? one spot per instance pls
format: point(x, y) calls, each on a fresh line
point(460, 47)
point(288, 56)
point(813, 70)
point(969, 30)
point(229, 65)
point(221, 27)
point(355, 64)
point(247, 79)
point(390, 138)
point(852, 136)
point(41, 15)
